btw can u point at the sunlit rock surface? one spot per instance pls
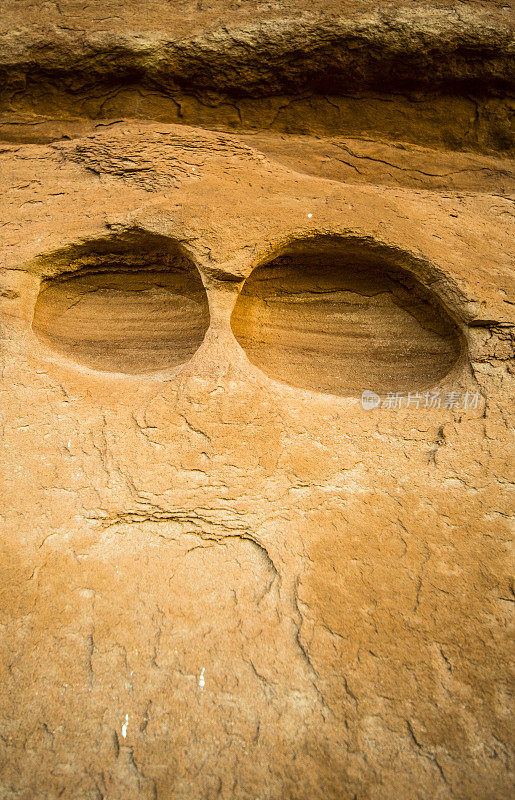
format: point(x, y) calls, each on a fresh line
point(256, 314)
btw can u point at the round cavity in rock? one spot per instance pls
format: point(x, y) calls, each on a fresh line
point(342, 322)
point(125, 314)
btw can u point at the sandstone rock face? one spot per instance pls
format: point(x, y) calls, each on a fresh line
point(126, 311)
point(256, 313)
point(326, 322)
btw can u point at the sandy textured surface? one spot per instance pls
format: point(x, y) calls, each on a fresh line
point(220, 575)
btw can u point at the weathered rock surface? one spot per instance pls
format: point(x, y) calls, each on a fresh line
point(431, 73)
point(221, 576)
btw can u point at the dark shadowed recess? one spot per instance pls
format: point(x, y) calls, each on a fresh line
point(226, 77)
point(131, 306)
point(341, 318)
point(328, 54)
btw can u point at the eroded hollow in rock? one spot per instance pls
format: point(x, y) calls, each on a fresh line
point(132, 308)
point(342, 320)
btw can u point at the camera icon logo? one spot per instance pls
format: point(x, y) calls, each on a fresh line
point(370, 400)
